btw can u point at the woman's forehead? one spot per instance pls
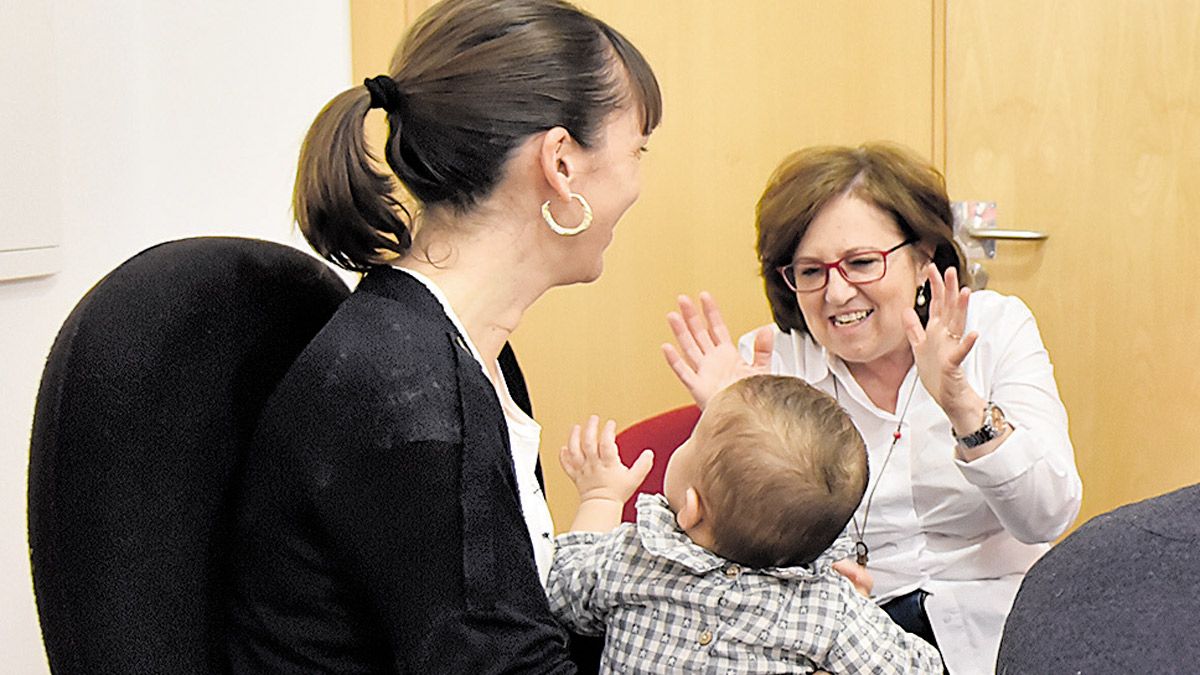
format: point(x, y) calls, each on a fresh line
point(848, 223)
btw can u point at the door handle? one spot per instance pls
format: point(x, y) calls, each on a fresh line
point(976, 233)
point(1006, 235)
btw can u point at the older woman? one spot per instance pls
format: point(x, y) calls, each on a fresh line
point(392, 517)
point(972, 470)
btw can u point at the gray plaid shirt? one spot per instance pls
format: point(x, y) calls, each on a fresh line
point(667, 605)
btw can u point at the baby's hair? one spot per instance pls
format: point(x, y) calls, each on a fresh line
point(782, 470)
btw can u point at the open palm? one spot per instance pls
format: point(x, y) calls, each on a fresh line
point(706, 359)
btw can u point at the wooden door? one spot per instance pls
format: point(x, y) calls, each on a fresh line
point(1081, 118)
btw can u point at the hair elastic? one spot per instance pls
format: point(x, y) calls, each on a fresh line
point(385, 94)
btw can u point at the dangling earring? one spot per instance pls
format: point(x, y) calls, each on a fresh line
point(921, 296)
point(569, 231)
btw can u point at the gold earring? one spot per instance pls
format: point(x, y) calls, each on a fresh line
point(569, 231)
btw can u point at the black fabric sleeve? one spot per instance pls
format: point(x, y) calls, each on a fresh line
point(394, 515)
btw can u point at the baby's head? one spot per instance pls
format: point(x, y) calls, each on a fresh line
point(771, 475)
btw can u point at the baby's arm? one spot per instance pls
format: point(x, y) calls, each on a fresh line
point(574, 588)
point(591, 461)
point(868, 641)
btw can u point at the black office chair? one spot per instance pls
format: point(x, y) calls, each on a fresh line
point(146, 407)
point(1120, 595)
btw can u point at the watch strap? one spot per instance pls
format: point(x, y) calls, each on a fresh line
point(993, 425)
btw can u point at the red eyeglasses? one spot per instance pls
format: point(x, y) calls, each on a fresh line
point(859, 267)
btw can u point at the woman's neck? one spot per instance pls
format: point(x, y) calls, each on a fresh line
point(881, 379)
point(487, 282)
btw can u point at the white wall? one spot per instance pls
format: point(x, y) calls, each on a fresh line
point(172, 119)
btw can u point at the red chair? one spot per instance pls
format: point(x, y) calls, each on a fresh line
point(662, 434)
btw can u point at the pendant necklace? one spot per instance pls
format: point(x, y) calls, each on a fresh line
point(860, 546)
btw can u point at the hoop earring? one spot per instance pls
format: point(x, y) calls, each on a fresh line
point(569, 231)
point(921, 296)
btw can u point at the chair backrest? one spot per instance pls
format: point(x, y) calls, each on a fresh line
point(147, 403)
point(1119, 595)
point(662, 434)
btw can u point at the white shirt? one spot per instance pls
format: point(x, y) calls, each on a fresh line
point(524, 436)
point(966, 532)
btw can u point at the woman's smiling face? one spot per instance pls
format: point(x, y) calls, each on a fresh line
point(858, 322)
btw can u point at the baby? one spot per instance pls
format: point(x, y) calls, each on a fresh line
point(725, 573)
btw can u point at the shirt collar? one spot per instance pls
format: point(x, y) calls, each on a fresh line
point(819, 365)
point(816, 359)
point(660, 536)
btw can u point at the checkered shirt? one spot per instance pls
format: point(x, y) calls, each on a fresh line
point(667, 605)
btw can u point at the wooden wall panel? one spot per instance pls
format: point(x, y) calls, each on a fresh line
point(1082, 119)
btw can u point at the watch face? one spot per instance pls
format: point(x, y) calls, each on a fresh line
point(998, 421)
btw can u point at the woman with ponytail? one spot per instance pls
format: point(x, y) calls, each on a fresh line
point(391, 515)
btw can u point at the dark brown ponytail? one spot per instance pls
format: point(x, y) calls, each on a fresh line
point(345, 207)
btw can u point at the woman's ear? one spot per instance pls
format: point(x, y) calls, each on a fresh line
point(557, 161)
point(927, 249)
point(691, 513)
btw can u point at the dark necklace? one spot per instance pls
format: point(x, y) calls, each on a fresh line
point(860, 546)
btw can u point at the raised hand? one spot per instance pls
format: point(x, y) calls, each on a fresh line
point(940, 347)
point(707, 358)
point(592, 461)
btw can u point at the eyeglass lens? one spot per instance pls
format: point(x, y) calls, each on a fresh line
point(859, 268)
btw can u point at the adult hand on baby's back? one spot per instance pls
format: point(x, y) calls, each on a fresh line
point(857, 574)
point(707, 358)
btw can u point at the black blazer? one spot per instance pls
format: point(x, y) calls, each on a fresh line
point(379, 525)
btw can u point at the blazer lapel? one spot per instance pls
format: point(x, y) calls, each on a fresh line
point(486, 464)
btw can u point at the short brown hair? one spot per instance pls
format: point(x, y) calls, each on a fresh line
point(782, 469)
point(887, 176)
point(475, 78)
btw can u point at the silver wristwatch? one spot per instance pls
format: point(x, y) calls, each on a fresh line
point(993, 426)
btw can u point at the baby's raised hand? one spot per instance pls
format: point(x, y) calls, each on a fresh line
point(593, 463)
